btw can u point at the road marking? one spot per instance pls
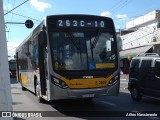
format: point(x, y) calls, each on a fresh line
point(123, 79)
point(154, 118)
point(108, 103)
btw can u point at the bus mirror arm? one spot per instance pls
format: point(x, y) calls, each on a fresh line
point(43, 38)
point(42, 46)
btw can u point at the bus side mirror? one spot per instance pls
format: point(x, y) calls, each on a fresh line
point(29, 23)
point(43, 38)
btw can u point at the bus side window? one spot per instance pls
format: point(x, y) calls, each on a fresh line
point(34, 51)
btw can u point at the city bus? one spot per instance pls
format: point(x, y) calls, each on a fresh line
point(12, 67)
point(70, 57)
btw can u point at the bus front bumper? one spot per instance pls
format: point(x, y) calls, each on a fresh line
point(85, 93)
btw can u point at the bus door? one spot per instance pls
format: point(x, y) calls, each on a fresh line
point(42, 61)
point(17, 68)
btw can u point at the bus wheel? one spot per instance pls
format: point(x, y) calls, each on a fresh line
point(23, 88)
point(37, 90)
point(135, 94)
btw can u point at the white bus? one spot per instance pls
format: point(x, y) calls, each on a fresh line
point(70, 57)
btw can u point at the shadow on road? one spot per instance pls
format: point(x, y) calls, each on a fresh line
point(104, 107)
point(109, 106)
point(16, 118)
point(16, 103)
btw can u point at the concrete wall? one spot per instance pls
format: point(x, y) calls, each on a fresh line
point(146, 31)
point(156, 48)
point(5, 89)
point(156, 36)
point(138, 38)
point(152, 16)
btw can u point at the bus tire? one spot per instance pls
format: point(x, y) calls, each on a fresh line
point(35, 84)
point(37, 92)
point(135, 93)
point(23, 88)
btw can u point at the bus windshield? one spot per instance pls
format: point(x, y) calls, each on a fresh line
point(83, 50)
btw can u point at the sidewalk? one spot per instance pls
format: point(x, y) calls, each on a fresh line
point(20, 99)
point(23, 103)
point(124, 77)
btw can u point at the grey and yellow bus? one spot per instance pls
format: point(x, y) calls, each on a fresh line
point(70, 57)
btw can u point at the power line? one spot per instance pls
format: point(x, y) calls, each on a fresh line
point(25, 16)
point(115, 6)
point(122, 6)
point(7, 20)
point(16, 7)
point(10, 24)
point(119, 5)
point(12, 49)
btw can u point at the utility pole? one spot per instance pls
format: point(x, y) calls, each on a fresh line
point(5, 88)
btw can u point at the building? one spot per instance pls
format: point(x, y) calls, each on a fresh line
point(143, 36)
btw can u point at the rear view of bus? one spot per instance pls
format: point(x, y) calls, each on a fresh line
point(84, 57)
point(12, 68)
point(70, 57)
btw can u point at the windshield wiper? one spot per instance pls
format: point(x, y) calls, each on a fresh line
point(93, 44)
point(73, 39)
point(75, 42)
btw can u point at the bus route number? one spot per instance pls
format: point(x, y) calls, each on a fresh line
point(80, 23)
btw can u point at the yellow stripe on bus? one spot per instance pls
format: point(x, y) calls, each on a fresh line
point(24, 80)
point(87, 82)
point(105, 65)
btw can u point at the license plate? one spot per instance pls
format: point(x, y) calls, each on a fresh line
point(88, 95)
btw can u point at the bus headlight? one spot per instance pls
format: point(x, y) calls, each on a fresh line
point(113, 81)
point(59, 83)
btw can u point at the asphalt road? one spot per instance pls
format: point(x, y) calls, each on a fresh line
point(27, 101)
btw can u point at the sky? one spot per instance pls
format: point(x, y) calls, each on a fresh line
point(121, 11)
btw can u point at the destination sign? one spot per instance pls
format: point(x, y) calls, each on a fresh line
point(81, 23)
